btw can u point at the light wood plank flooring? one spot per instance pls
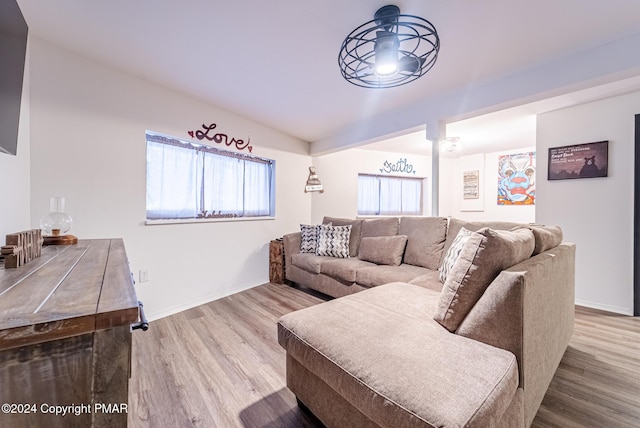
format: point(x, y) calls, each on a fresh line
point(220, 365)
point(598, 381)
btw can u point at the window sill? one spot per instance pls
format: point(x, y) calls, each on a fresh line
point(204, 220)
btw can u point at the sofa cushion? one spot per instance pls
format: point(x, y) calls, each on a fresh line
point(547, 237)
point(426, 240)
point(455, 225)
point(383, 274)
point(452, 254)
point(309, 262)
point(343, 269)
point(383, 250)
point(486, 253)
point(386, 226)
point(497, 318)
point(356, 229)
point(400, 369)
point(429, 280)
point(333, 241)
point(309, 238)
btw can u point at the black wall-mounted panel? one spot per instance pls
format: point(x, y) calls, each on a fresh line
point(13, 49)
point(636, 222)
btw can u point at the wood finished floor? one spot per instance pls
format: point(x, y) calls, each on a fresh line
point(220, 365)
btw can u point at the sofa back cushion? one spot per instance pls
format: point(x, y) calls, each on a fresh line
point(455, 225)
point(383, 250)
point(547, 237)
point(425, 242)
point(486, 253)
point(356, 228)
point(386, 226)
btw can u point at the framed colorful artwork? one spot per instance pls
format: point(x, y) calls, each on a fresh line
point(517, 179)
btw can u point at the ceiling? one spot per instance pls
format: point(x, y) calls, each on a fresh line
point(506, 129)
point(276, 61)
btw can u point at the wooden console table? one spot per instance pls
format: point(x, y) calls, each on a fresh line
point(65, 337)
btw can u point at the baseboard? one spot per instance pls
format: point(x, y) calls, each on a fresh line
point(210, 298)
point(152, 316)
point(603, 307)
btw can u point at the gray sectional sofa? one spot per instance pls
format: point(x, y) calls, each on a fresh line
point(341, 276)
point(400, 348)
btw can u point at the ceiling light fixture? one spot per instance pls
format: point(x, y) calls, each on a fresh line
point(391, 50)
point(450, 144)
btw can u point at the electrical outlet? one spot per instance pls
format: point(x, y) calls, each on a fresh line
point(143, 275)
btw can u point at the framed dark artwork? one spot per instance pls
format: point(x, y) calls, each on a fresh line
point(588, 160)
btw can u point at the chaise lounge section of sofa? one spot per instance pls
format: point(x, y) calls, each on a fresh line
point(390, 355)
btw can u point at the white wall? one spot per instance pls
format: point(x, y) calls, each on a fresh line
point(14, 173)
point(595, 213)
point(485, 208)
point(338, 173)
point(88, 127)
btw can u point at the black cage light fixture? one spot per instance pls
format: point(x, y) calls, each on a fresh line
point(390, 50)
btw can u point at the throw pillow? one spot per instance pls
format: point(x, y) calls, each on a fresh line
point(486, 253)
point(428, 234)
point(333, 241)
point(356, 229)
point(453, 252)
point(383, 250)
point(455, 225)
point(309, 237)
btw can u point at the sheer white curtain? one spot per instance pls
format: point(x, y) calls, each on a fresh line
point(235, 186)
point(412, 197)
point(189, 181)
point(223, 184)
point(368, 195)
point(257, 196)
point(389, 195)
point(172, 181)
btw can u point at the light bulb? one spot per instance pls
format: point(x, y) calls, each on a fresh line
point(386, 51)
point(384, 70)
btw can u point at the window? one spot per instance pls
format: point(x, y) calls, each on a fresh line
point(384, 195)
point(191, 181)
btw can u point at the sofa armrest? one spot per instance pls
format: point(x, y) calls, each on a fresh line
point(529, 310)
point(291, 243)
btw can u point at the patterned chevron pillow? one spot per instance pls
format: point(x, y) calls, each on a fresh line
point(309, 237)
point(453, 252)
point(333, 241)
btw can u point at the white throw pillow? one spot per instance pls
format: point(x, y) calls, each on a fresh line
point(333, 241)
point(453, 252)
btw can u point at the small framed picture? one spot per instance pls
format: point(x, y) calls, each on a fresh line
point(589, 160)
point(471, 184)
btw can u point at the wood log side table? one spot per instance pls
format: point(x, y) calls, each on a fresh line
point(276, 261)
